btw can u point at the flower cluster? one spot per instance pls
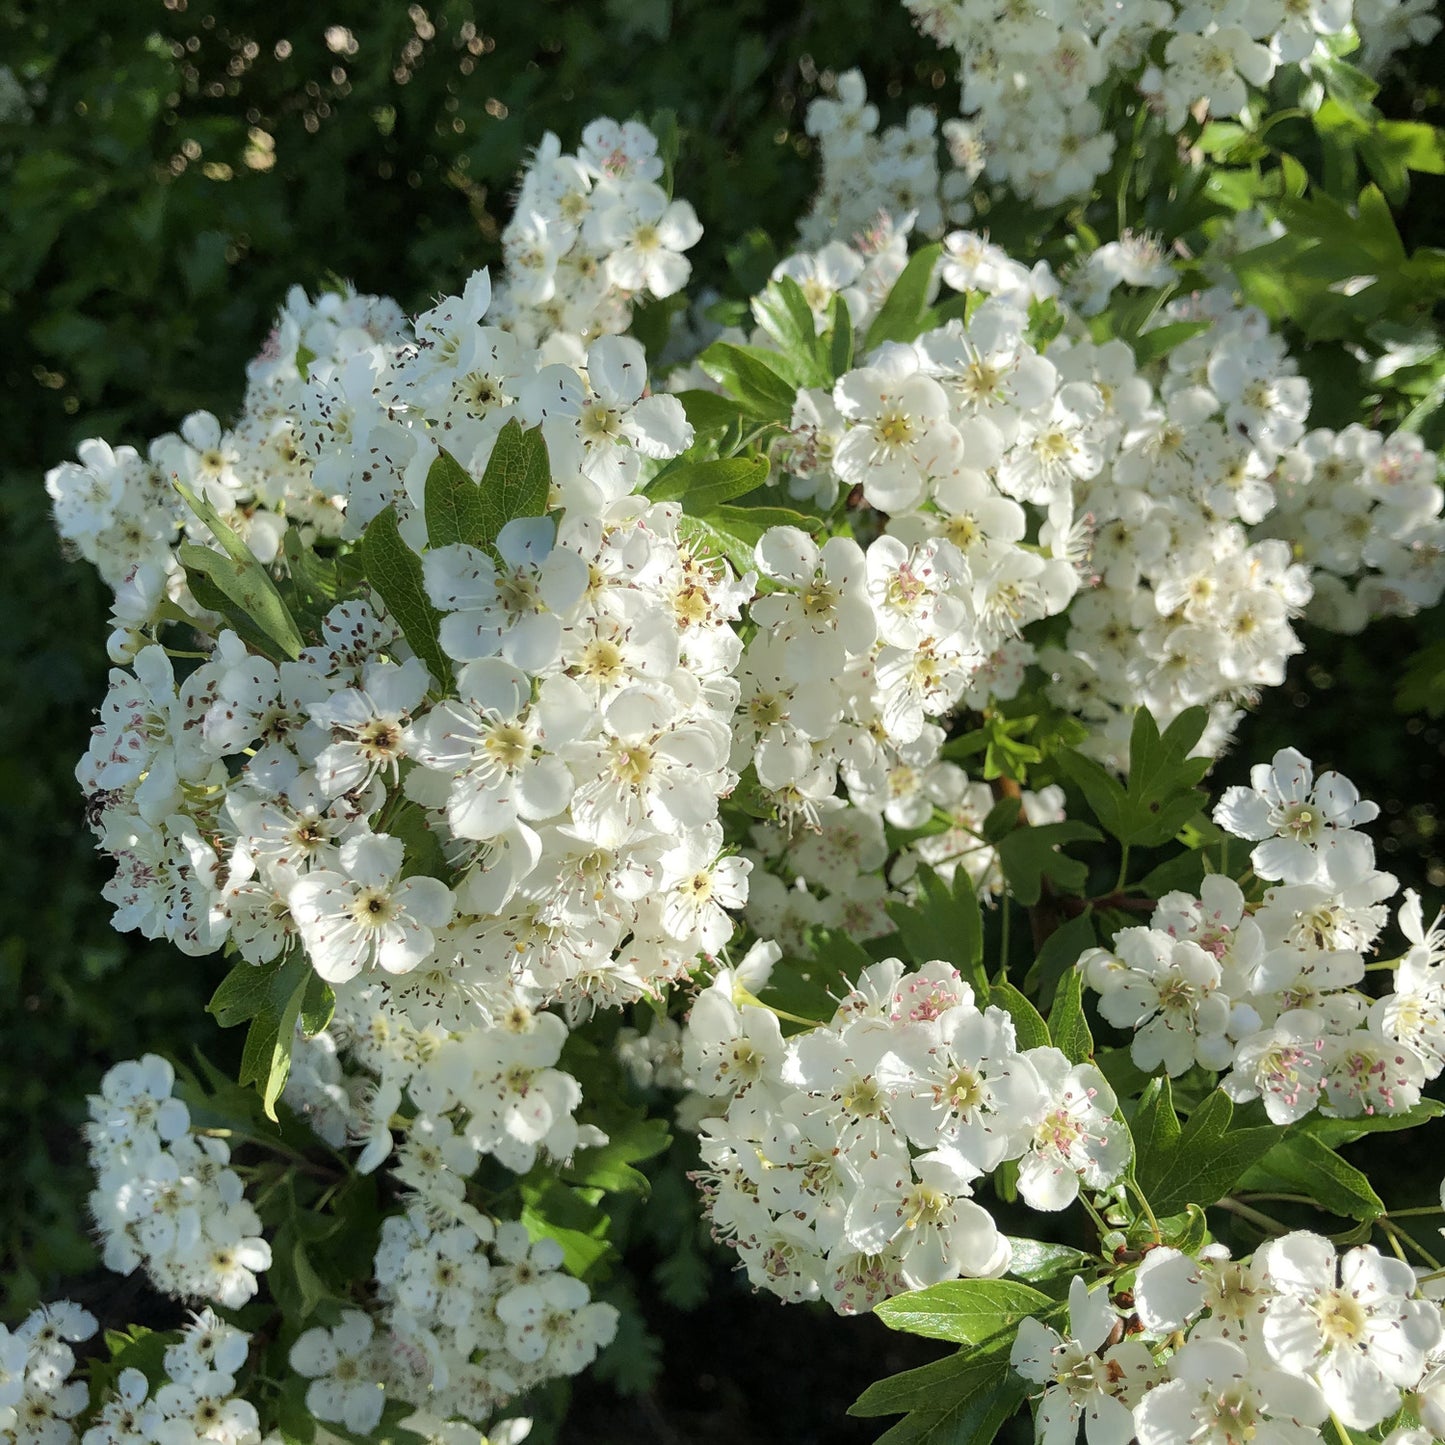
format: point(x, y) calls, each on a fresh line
point(1268, 993)
point(478, 1089)
point(1036, 79)
point(571, 773)
point(1361, 508)
point(983, 434)
point(38, 1398)
point(1273, 1345)
point(474, 1319)
point(196, 1404)
point(119, 509)
point(845, 1163)
point(473, 1315)
point(164, 1197)
point(329, 432)
point(868, 174)
point(591, 235)
point(842, 873)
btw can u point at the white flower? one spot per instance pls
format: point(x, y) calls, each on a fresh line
point(1078, 1380)
point(342, 1369)
point(1217, 1396)
point(367, 916)
point(1306, 823)
point(1350, 1324)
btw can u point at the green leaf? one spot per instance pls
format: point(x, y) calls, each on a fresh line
point(609, 1166)
point(1029, 1026)
point(1029, 855)
point(710, 411)
point(974, 1422)
point(235, 579)
point(1303, 1164)
point(840, 339)
point(1059, 954)
point(1001, 819)
point(1203, 1160)
point(702, 487)
point(1334, 1132)
point(902, 315)
point(966, 1311)
point(242, 994)
point(752, 378)
point(1160, 797)
point(783, 312)
point(1160, 340)
point(552, 1210)
point(266, 1056)
point(318, 1006)
point(395, 571)
point(422, 848)
point(962, 1400)
point(516, 483)
point(944, 923)
point(733, 532)
point(1155, 1129)
point(1068, 1028)
point(453, 500)
point(1034, 1260)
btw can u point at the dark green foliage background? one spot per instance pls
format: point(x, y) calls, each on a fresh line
point(141, 258)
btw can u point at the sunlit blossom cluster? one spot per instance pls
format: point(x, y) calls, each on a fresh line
point(592, 234)
point(570, 775)
point(1036, 79)
point(844, 1161)
point(1221, 1350)
point(892, 173)
point(197, 1401)
point(1269, 994)
point(39, 1396)
point(165, 1198)
point(1363, 511)
point(473, 1320)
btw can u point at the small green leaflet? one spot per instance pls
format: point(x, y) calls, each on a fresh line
point(904, 315)
point(1068, 1027)
point(1031, 854)
point(1059, 954)
point(552, 1210)
point(702, 487)
point(1161, 797)
point(1334, 1132)
point(708, 410)
point(839, 339)
point(1031, 1030)
point(453, 503)
point(733, 532)
point(944, 923)
point(751, 375)
point(1198, 1162)
point(962, 1400)
point(1036, 1261)
point(1301, 1163)
point(609, 1166)
point(516, 483)
point(396, 573)
point(966, 1311)
point(783, 312)
point(273, 997)
point(235, 584)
